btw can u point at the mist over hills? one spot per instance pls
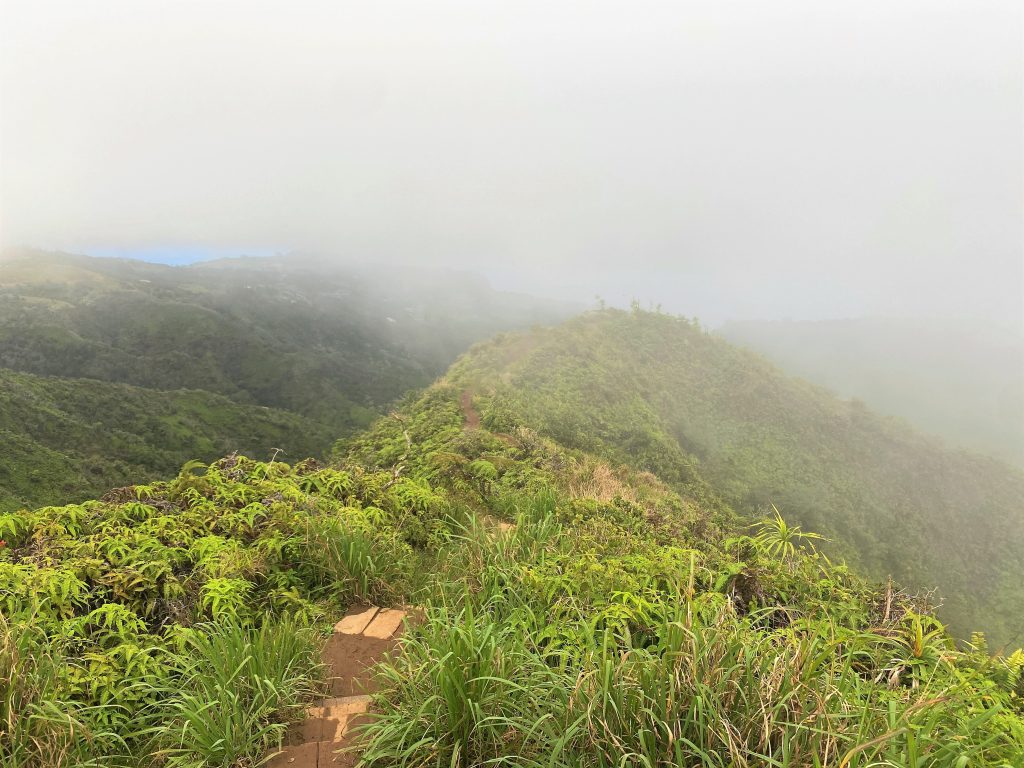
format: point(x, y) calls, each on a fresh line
point(961, 380)
point(297, 351)
point(493, 450)
point(284, 332)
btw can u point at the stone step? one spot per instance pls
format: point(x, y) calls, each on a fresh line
point(345, 705)
point(315, 754)
point(359, 640)
point(385, 624)
point(357, 620)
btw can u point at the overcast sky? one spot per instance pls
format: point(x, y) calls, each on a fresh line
point(767, 158)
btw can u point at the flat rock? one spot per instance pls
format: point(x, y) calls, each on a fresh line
point(385, 624)
point(346, 705)
point(356, 621)
point(341, 716)
point(349, 659)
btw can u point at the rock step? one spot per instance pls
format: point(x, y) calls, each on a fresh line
point(362, 636)
point(313, 754)
point(371, 621)
point(385, 624)
point(323, 733)
point(356, 620)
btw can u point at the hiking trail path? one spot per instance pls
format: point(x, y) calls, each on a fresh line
point(358, 642)
point(470, 417)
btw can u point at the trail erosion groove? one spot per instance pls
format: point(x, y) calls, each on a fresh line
point(359, 640)
point(470, 417)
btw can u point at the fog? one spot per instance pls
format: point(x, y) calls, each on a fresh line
point(725, 159)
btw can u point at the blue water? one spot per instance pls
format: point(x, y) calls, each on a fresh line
point(176, 255)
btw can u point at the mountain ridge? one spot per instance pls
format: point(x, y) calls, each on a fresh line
point(662, 394)
point(574, 609)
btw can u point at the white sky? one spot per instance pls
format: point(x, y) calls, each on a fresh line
point(808, 159)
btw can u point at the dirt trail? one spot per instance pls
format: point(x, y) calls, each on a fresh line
point(359, 641)
point(470, 418)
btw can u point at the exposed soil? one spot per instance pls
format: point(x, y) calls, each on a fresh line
point(360, 639)
point(349, 658)
point(470, 418)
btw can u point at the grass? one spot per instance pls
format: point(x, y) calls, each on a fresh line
point(224, 697)
point(685, 681)
point(234, 690)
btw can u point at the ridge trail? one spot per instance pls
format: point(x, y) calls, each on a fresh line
point(470, 417)
point(359, 640)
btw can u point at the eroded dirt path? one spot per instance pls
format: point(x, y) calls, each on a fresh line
point(358, 642)
point(470, 417)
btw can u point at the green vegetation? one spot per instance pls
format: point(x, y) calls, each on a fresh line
point(959, 380)
point(661, 394)
point(629, 615)
point(327, 348)
point(69, 439)
point(619, 623)
point(616, 622)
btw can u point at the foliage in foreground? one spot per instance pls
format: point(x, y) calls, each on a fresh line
point(617, 623)
point(176, 622)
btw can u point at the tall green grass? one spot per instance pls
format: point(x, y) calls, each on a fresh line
point(225, 697)
point(684, 680)
point(39, 728)
point(234, 691)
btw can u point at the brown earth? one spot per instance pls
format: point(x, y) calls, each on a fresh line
point(470, 418)
point(359, 640)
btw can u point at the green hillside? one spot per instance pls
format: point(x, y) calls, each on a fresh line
point(65, 440)
point(612, 622)
point(324, 347)
point(660, 394)
point(327, 341)
point(962, 381)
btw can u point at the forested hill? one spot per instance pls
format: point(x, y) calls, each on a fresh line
point(64, 440)
point(286, 352)
point(964, 381)
point(329, 342)
point(661, 394)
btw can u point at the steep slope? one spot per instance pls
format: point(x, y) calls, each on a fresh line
point(63, 440)
point(334, 343)
point(960, 381)
point(660, 394)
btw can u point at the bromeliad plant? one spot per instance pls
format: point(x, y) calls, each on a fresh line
point(780, 539)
